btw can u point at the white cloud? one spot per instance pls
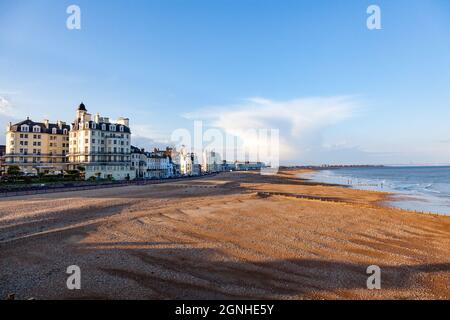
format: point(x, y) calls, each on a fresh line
point(299, 121)
point(6, 114)
point(145, 136)
point(5, 105)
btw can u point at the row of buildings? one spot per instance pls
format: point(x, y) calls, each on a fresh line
point(100, 148)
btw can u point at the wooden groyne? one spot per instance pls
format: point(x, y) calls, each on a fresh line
point(266, 194)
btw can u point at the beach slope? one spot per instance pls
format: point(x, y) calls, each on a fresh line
point(232, 236)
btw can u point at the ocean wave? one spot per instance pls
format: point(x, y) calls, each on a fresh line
point(430, 185)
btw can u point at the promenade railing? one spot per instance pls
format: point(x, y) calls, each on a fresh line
point(71, 188)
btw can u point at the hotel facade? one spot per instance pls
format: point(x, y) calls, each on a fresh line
point(37, 147)
point(101, 147)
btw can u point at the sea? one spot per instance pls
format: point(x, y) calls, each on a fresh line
point(422, 189)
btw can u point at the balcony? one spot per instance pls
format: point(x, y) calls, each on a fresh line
point(34, 155)
point(99, 163)
point(82, 154)
point(32, 163)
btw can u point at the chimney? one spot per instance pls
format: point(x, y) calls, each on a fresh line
point(46, 124)
point(124, 121)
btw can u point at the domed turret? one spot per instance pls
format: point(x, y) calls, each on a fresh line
point(82, 107)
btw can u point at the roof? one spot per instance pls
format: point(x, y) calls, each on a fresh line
point(30, 123)
point(82, 107)
point(134, 149)
point(99, 126)
point(151, 155)
point(154, 155)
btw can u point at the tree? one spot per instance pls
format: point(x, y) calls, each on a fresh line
point(82, 171)
point(13, 170)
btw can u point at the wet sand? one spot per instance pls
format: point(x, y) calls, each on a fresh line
point(232, 236)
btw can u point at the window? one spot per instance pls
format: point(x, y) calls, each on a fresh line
point(54, 131)
point(121, 128)
point(65, 131)
point(94, 125)
point(86, 125)
point(103, 127)
point(36, 129)
point(112, 128)
point(24, 128)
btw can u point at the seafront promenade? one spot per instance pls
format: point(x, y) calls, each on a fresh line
point(70, 187)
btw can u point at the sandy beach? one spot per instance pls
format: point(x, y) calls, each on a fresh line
point(231, 236)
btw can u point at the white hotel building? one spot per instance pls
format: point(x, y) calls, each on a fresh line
point(102, 148)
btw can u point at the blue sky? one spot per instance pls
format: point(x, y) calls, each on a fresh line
point(157, 61)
